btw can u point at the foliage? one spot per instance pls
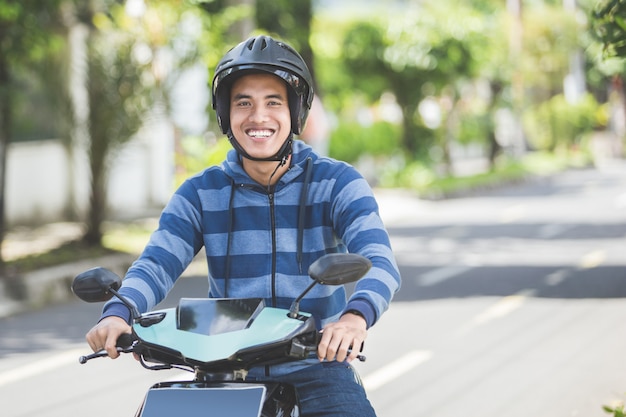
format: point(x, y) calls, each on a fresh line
point(196, 154)
point(414, 175)
point(474, 126)
point(550, 38)
point(426, 182)
point(132, 61)
point(420, 52)
point(27, 31)
point(41, 110)
point(289, 20)
point(427, 53)
point(351, 140)
point(609, 25)
point(615, 411)
point(558, 123)
point(423, 51)
point(118, 100)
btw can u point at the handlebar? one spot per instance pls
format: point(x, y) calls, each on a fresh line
point(124, 345)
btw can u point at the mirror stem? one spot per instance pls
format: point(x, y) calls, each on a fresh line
point(133, 311)
point(295, 306)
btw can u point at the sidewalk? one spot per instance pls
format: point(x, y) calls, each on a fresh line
point(50, 285)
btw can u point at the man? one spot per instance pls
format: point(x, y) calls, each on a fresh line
point(263, 216)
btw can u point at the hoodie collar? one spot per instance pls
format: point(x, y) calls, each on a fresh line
point(233, 167)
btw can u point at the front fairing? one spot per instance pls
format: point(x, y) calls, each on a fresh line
point(222, 334)
point(242, 399)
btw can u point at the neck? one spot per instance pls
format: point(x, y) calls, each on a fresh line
point(265, 172)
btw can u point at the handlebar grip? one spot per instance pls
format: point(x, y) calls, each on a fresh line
point(125, 340)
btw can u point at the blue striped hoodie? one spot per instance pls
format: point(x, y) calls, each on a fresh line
point(260, 242)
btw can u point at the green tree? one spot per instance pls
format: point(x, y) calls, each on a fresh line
point(27, 31)
point(609, 24)
point(126, 81)
point(551, 36)
point(290, 20)
point(608, 29)
point(424, 52)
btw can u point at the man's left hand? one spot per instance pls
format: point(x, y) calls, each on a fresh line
point(339, 337)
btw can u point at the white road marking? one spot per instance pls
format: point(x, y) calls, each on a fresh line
point(501, 308)
point(557, 277)
point(41, 366)
point(592, 259)
point(395, 369)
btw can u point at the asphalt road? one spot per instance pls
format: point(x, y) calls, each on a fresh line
point(513, 303)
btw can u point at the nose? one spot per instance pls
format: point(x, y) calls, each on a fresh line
point(258, 114)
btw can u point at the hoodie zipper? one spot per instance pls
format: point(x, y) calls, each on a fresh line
point(270, 196)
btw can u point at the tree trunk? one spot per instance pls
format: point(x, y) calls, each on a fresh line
point(97, 206)
point(408, 128)
point(5, 135)
point(493, 146)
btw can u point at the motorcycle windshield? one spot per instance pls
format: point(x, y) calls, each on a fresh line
point(209, 317)
point(233, 401)
point(210, 330)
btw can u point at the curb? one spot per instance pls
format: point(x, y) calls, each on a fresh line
point(48, 286)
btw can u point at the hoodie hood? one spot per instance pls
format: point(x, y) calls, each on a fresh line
point(233, 166)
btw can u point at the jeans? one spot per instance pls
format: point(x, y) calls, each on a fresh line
point(328, 389)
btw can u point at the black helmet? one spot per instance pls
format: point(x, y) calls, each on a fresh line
point(264, 54)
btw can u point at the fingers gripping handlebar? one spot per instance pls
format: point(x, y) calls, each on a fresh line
point(299, 349)
point(124, 345)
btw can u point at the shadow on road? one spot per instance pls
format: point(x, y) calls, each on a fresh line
point(546, 241)
point(543, 231)
point(544, 281)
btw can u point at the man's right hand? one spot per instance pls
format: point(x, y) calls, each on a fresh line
point(104, 335)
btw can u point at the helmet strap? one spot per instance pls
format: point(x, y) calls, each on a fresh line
point(281, 156)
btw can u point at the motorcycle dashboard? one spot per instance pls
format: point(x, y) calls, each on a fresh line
point(211, 316)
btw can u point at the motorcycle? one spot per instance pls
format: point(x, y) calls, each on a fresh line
point(219, 341)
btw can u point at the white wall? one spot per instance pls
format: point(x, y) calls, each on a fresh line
point(142, 176)
point(37, 178)
point(40, 176)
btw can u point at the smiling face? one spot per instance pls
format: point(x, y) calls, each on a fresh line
point(259, 114)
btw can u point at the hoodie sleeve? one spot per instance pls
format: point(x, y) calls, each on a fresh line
point(356, 218)
point(169, 251)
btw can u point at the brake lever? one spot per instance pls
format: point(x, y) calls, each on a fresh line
point(100, 354)
point(124, 345)
point(361, 358)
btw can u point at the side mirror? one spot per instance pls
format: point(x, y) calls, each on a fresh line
point(333, 269)
point(339, 268)
point(96, 285)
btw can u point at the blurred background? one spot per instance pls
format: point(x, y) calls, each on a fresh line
point(492, 131)
point(105, 105)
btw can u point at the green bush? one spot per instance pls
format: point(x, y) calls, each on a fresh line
point(617, 411)
point(352, 140)
point(197, 153)
point(557, 123)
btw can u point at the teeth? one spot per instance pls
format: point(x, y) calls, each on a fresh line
point(260, 133)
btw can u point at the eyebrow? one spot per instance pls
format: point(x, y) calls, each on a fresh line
point(240, 96)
